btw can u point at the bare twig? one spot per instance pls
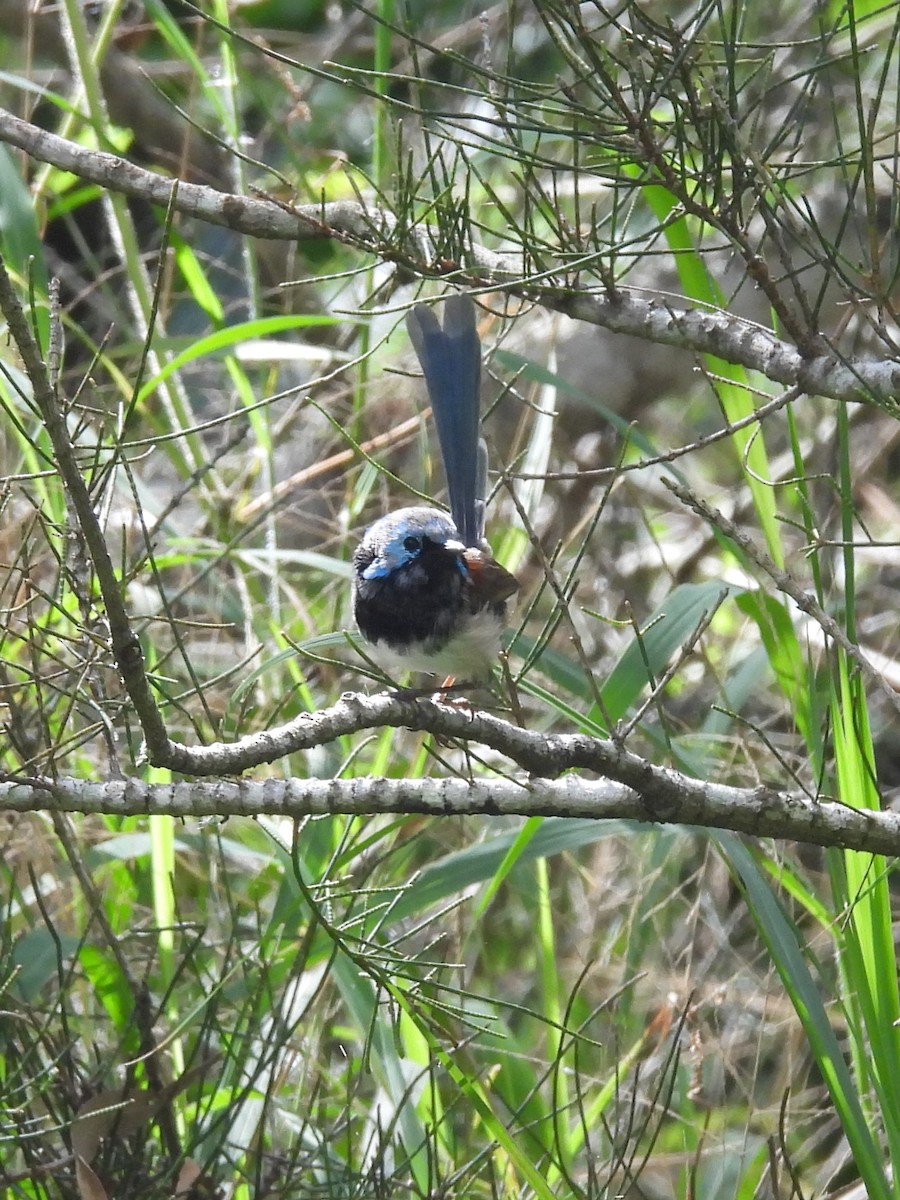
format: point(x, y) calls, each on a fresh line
point(126, 647)
point(786, 583)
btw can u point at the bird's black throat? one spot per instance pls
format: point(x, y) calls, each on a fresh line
point(423, 602)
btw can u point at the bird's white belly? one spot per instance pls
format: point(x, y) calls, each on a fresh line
point(468, 656)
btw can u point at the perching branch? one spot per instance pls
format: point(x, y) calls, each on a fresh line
point(659, 797)
point(704, 332)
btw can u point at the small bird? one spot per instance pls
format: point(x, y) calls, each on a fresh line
point(428, 595)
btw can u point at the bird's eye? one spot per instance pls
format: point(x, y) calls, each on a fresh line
point(412, 544)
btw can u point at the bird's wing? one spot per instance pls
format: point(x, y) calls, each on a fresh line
point(451, 360)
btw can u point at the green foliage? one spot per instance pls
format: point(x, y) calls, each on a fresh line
point(409, 1006)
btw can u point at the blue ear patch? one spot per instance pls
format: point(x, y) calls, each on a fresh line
point(404, 544)
point(379, 568)
point(399, 538)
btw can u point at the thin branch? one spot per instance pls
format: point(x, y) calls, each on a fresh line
point(125, 644)
point(369, 227)
point(786, 583)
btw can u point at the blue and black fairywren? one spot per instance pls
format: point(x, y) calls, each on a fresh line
point(428, 594)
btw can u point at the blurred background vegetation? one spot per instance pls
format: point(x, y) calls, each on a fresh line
point(389, 1007)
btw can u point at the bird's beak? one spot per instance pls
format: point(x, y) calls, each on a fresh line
point(454, 547)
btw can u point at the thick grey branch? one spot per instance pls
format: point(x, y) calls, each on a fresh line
point(743, 343)
point(631, 786)
point(258, 218)
point(757, 811)
point(716, 333)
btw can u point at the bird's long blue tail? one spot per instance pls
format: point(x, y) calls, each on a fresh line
point(451, 360)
